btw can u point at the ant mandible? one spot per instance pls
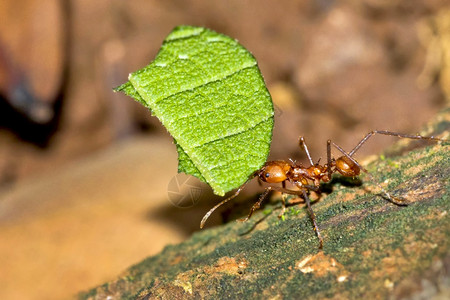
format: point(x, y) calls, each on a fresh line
point(308, 179)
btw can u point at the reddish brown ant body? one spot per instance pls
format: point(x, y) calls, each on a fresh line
point(307, 179)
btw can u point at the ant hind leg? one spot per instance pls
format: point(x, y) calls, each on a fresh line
point(396, 134)
point(393, 199)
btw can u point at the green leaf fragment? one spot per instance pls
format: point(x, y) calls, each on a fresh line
point(128, 89)
point(208, 92)
point(186, 165)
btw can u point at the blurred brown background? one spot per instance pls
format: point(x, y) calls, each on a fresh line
point(84, 172)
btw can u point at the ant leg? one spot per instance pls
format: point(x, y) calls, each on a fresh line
point(395, 200)
point(279, 189)
point(302, 192)
point(313, 218)
point(302, 144)
point(257, 204)
point(260, 182)
point(206, 216)
point(296, 192)
point(390, 133)
point(329, 171)
point(283, 205)
point(283, 201)
point(384, 193)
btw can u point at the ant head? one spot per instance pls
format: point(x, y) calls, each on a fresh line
point(274, 171)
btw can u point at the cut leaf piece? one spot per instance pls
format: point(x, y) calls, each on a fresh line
point(208, 92)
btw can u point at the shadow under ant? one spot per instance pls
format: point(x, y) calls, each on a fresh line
point(327, 187)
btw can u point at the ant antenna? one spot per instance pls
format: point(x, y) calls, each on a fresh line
point(206, 216)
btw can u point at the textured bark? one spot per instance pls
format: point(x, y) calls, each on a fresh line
point(372, 248)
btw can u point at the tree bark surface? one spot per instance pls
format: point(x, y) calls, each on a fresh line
point(372, 248)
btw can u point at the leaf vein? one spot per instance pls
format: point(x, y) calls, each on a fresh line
point(218, 79)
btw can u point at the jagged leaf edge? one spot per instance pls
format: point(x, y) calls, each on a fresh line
point(185, 164)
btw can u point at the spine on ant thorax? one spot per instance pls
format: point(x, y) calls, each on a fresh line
point(313, 174)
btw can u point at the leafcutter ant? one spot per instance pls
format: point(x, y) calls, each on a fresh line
point(307, 179)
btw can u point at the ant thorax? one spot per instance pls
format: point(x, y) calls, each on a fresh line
point(299, 174)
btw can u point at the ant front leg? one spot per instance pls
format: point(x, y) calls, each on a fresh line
point(283, 205)
point(283, 201)
point(257, 204)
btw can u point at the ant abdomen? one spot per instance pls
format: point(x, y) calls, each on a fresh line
point(347, 167)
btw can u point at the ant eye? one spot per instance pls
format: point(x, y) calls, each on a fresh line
point(267, 175)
